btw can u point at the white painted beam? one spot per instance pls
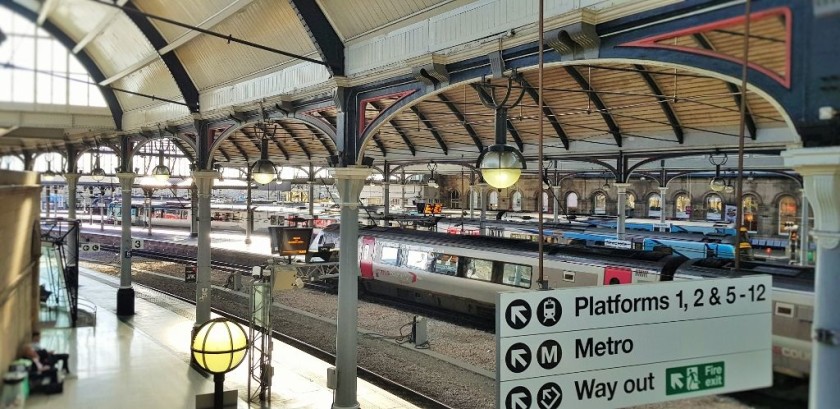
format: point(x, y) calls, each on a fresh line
point(102, 26)
point(211, 21)
point(43, 13)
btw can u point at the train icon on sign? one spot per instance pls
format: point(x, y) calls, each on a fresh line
point(549, 311)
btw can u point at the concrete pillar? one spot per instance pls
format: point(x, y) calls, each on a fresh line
point(350, 181)
point(125, 294)
point(621, 189)
point(556, 191)
point(482, 191)
point(804, 233)
point(204, 185)
point(72, 181)
point(820, 169)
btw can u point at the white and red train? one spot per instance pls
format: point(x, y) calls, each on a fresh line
point(464, 274)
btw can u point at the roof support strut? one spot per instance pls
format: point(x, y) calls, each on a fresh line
point(596, 99)
point(431, 129)
point(547, 112)
point(399, 130)
point(322, 34)
point(458, 114)
point(664, 102)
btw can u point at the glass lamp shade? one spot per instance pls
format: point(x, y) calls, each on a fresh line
point(729, 189)
point(219, 346)
point(161, 172)
point(263, 171)
point(501, 168)
point(717, 184)
point(97, 174)
point(432, 183)
point(49, 175)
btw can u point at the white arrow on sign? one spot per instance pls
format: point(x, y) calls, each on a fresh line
point(517, 313)
point(517, 400)
point(516, 357)
point(676, 381)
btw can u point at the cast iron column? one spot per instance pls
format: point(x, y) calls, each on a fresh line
point(72, 181)
point(349, 181)
point(663, 191)
point(621, 188)
point(204, 184)
point(311, 183)
point(482, 191)
point(125, 294)
point(249, 212)
point(820, 168)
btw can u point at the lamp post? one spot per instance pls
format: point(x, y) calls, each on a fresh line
point(219, 346)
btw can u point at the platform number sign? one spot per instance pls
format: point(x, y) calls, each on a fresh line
point(137, 244)
point(89, 247)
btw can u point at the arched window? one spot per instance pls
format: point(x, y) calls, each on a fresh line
point(682, 206)
point(454, 199)
point(599, 203)
point(516, 201)
point(749, 213)
point(572, 202)
point(476, 198)
point(493, 200)
point(654, 205)
point(714, 207)
point(787, 213)
point(630, 204)
point(545, 201)
point(11, 163)
point(49, 73)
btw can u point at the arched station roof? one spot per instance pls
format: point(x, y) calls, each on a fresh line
point(635, 77)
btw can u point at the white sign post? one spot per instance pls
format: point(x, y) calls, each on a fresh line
point(616, 346)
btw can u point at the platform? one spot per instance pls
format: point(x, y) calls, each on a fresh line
point(143, 361)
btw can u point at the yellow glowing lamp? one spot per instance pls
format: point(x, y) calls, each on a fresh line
point(501, 166)
point(219, 346)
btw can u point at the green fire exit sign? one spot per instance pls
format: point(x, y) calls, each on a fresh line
point(694, 378)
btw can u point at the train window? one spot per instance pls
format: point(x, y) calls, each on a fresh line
point(390, 255)
point(446, 264)
point(418, 259)
point(480, 269)
point(516, 274)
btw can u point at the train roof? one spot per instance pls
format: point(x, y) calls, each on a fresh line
point(515, 246)
point(786, 276)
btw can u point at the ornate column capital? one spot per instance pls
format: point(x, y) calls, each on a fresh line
point(820, 169)
point(203, 180)
point(126, 180)
point(621, 188)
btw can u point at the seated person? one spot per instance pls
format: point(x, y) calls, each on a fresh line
point(39, 370)
point(47, 357)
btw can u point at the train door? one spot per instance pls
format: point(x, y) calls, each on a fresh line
point(366, 256)
point(617, 275)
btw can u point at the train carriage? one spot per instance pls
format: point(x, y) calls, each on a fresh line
point(465, 274)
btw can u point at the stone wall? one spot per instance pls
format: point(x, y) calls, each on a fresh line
point(766, 191)
point(19, 254)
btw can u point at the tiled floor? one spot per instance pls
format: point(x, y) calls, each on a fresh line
point(142, 362)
